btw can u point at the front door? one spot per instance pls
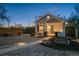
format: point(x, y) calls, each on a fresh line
point(50, 29)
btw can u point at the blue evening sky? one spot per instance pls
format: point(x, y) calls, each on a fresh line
point(24, 13)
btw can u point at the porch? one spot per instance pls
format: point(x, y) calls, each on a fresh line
point(50, 29)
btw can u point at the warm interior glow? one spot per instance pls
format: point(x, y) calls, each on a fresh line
point(58, 30)
point(58, 27)
point(40, 28)
point(48, 29)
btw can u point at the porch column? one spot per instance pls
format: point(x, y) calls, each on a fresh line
point(44, 27)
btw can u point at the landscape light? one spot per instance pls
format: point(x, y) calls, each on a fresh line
point(20, 43)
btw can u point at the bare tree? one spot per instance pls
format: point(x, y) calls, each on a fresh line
point(74, 20)
point(3, 17)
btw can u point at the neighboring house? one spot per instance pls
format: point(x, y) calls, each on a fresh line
point(50, 24)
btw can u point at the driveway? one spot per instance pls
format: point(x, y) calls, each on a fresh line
point(40, 50)
point(19, 43)
point(31, 47)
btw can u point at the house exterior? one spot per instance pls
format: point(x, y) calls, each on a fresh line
point(50, 24)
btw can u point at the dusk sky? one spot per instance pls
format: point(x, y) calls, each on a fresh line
point(26, 12)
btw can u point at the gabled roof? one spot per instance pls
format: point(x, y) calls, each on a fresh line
point(55, 17)
point(53, 20)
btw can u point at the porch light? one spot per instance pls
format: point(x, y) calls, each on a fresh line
point(48, 27)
